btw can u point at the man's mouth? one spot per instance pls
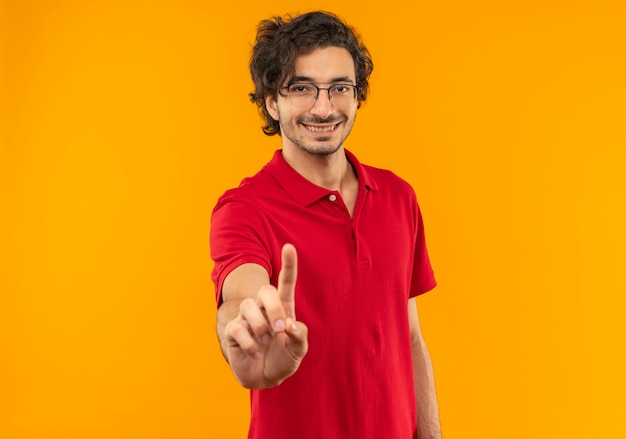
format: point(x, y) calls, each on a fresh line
point(321, 129)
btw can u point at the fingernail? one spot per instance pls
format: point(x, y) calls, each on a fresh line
point(279, 325)
point(266, 338)
point(294, 328)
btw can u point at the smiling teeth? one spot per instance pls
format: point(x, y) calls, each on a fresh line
point(325, 129)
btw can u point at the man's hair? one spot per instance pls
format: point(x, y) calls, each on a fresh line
point(280, 40)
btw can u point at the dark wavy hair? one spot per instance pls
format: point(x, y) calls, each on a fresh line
point(280, 40)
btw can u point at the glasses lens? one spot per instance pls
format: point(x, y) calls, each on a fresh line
point(303, 95)
point(342, 94)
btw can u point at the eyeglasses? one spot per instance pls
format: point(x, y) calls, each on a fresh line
point(303, 95)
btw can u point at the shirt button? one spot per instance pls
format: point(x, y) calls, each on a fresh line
point(332, 197)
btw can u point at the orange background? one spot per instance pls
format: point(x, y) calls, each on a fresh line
point(123, 121)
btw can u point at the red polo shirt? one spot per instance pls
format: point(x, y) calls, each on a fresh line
point(355, 276)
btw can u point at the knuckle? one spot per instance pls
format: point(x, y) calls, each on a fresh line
point(241, 337)
point(246, 305)
point(269, 299)
point(254, 319)
point(266, 292)
point(235, 330)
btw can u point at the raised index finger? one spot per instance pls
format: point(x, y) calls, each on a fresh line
point(287, 279)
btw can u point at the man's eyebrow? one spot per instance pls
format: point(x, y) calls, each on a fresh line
point(341, 79)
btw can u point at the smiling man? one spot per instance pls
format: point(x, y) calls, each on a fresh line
point(318, 235)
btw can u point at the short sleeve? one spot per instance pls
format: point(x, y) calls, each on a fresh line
point(235, 240)
point(423, 277)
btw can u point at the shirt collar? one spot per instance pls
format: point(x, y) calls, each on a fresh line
point(302, 190)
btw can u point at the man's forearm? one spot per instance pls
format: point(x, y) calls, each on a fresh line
point(428, 423)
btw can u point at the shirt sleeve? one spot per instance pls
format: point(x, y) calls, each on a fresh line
point(235, 240)
point(423, 277)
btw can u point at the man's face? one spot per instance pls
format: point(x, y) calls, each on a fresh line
point(322, 127)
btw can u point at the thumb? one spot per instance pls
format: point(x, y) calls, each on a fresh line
point(298, 339)
point(287, 279)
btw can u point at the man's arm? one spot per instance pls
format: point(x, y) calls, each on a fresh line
point(256, 324)
point(428, 424)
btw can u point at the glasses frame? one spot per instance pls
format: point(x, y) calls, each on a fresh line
point(317, 91)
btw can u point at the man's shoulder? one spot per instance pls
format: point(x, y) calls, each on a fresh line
point(249, 188)
point(261, 192)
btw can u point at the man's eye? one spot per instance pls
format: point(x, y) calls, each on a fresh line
point(341, 88)
point(301, 89)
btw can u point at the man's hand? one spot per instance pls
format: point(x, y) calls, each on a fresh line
point(264, 343)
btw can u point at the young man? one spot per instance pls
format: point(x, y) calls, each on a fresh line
point(318, 258)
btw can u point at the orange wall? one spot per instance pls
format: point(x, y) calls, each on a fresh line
point(123, 121)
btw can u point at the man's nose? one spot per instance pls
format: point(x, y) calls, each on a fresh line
point(322, 106)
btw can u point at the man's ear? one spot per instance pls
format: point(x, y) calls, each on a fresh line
point(272, 108)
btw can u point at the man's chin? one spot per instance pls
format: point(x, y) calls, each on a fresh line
point(322, 150)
